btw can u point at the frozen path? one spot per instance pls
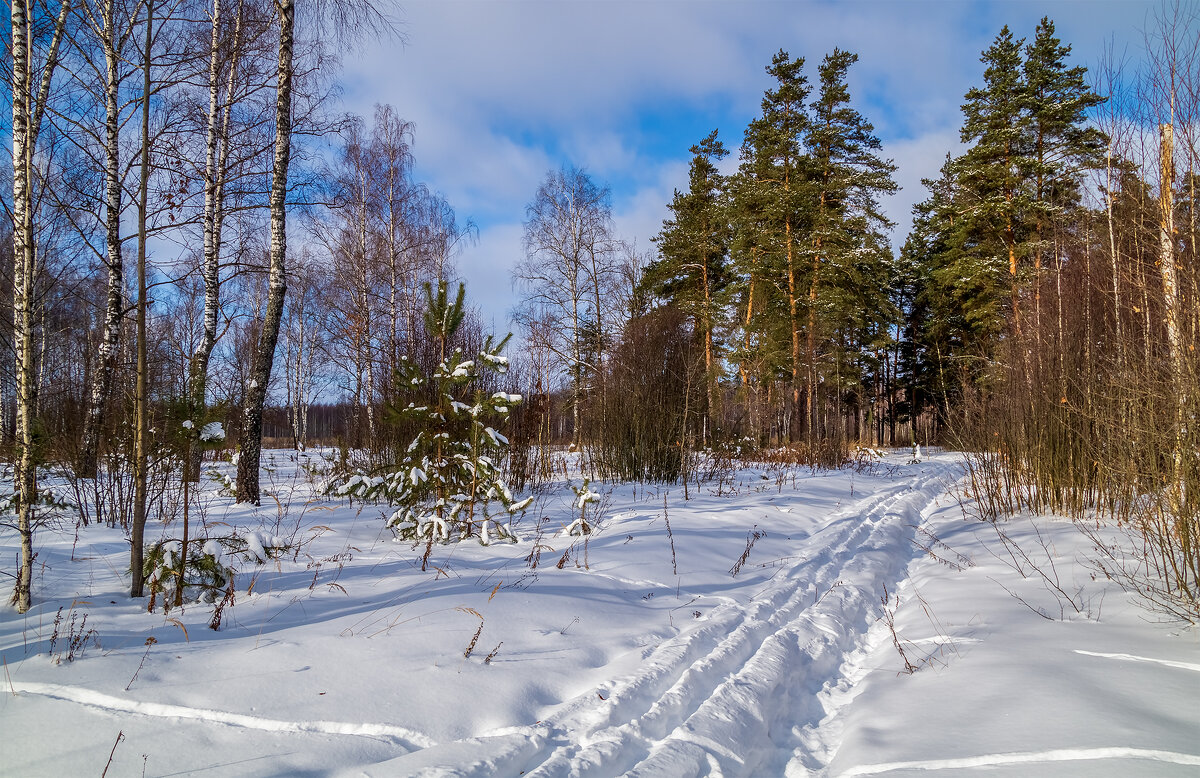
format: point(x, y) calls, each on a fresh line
point(737, 694)
point(735, 633)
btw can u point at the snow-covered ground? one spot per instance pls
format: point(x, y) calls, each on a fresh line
point(761, 627)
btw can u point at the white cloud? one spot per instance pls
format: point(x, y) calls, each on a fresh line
point(487, 264)
point(501, 92)
point(486, 267)
point(923, 157)
point(639, 217)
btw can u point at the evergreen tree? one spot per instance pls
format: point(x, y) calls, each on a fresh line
point(761, 328)
point(948, 300)
point(810, 249)
point(850, 259)
point(692, 270)
point(991, 173)
point(448, 482)
point(983, 236)
point(774, 213)
point(1061, 144)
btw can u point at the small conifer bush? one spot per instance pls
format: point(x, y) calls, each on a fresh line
point(448, 483)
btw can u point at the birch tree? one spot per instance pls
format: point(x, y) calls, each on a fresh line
point(264, 352)
point(568, 233)
point(29, 105)
point(346, 19)
point(305, 343)
point(110, 23)
point(232, 144)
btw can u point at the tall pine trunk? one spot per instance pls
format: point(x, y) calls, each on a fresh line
point(710, 376)
point(796, 427)
point(264, 354)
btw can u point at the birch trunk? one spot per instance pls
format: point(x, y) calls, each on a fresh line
point(264, 354)
point(577, 363)
point(299, 386)
point(365, 353)
point(108, 349)
point(1170, 284)
point(1112, 250)
point(25, 477)
point(27, 115)
point(598, 368)
point(215, 164)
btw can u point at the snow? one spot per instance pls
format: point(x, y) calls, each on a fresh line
point(340, 656)
point(212, 432)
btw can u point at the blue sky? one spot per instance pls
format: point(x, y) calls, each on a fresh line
point(501, 91)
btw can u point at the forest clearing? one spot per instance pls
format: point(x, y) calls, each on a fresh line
point(781, 621)
point(807, 389)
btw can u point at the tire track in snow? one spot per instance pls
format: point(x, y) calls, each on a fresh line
point(709, 701)
point(407, 738)
point(819, 739)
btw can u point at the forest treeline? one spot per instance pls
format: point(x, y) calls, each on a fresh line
point(198, 237)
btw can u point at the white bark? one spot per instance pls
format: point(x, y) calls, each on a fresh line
point(215, 173)
point(27, 114)
point(264, 354)
point(1170, 284)
point(112, 43)
point(567, 235)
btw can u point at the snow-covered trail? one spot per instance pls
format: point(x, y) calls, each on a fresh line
point(737, 694)
point(656, 659)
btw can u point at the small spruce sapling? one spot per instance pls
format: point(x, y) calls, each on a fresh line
point(448, 483)
point(168, 573)
point(583, 495)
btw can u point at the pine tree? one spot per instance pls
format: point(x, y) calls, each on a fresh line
point(983, 237)
point(773, 210)
point(992, 170)
point(692, 270)
point(448, 483)
point(850, 260)
point(1061, 144)
point(761, 349)
point(952, 306)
